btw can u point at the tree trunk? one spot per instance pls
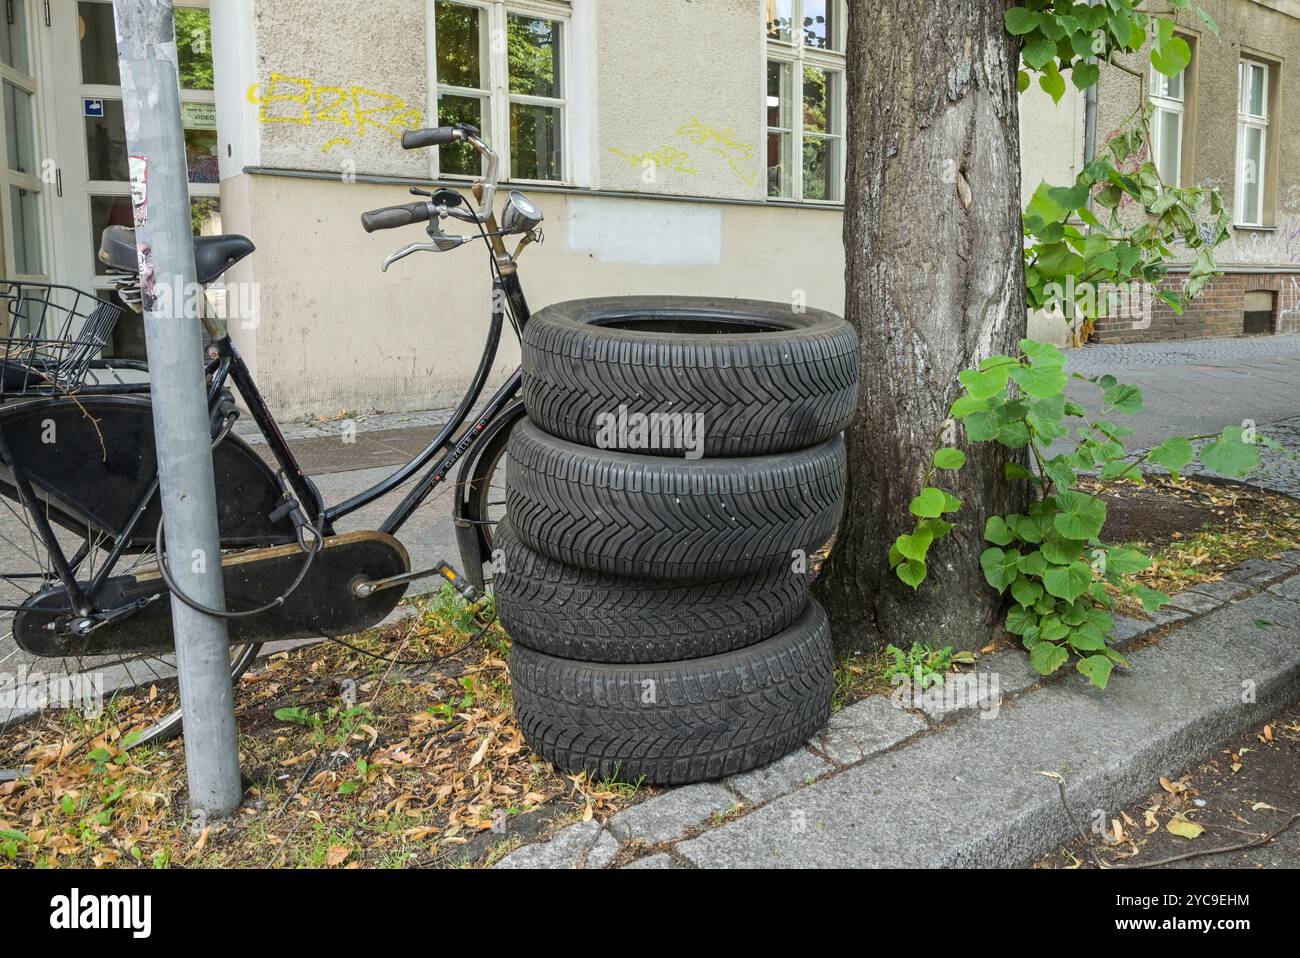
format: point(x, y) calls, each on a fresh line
point(934, 282)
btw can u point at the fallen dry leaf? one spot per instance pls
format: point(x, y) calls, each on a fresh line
point(1183, 828)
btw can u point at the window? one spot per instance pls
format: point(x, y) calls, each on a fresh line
point(805, 99)
point(1168, 97)
point(22, 239)
point(501, 67)
point(1252, 140)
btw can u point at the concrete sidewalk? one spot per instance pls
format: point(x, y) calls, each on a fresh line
point(886, 786)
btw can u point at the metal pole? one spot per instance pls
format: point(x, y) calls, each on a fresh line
point(151, 105)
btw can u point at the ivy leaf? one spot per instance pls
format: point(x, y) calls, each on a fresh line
point(999, 567)
point(1039, 381)
point(965, 405)
point(1124, 561)
point(981, 426)
point(911, 572)
point(1021, 21)
point(1087, 638)
point(1172, 454)
point(1021, 621)
point(1084, 75)
point(1171, 57)
point(914, 546)
point(986, 383)
point(929, 504)
point(1229, 455)
point(1079, 516)
point(1046, 657)
point(1061, 551)
point(1032, 563)
point(1150, 598)
point(1013, 470)
point(1052, 82)
point(951, 459)
point(1124, 398)
point(1026, 591)
point(997, 532)
point(1039, 53)
point(1068, 582)
point(1045, 354)
point(1097, 668)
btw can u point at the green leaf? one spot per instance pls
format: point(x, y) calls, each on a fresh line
point(1039, 381)
point(1087, 638)
point(1151, 599)
point(1022, 81)
point(1172, 454)
point(1032, 563)
point(911, 572)
point(1061, 551)
point(1026, 591)
point(1079, 516)
point(1124, 561)
point(347, 788)
point(1014, 435)
point(1021, 21)
point(999, 567)
point(965, 405)
point(1021, 621)
point(914, 546)
point(984, 384)
point(981, 426)
point(1084, 75)
point(1013, 470)
point(1124, 398)
point(1046, 657)
point(997, 532)
point(1068, 582)
point(951, 459)
point(1052, 82)
point(1229, 455)
point(1171, 57)
point(1039, 53)
point(1044, 354)
point(929, 504)
point(1097, 668)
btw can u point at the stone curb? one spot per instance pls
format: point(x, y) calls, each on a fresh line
point(873, 740)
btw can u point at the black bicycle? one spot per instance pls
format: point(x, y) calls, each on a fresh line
point(85, 581)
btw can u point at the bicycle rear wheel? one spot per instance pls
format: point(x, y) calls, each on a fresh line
point(82, 684)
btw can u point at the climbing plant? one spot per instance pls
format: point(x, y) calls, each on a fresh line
point(1051, 562)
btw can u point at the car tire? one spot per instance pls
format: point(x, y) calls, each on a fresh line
point(651, 517)
point(678, 722)
point(762, 377)
point(575, 613)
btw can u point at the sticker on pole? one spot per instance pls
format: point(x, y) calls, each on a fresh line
point(140, 189)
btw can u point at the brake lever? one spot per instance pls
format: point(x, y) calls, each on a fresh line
point(441, 243)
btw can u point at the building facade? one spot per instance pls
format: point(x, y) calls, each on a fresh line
point(680, 146)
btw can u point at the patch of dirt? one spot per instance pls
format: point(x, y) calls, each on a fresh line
point(1162, 511)
point(1241, 794)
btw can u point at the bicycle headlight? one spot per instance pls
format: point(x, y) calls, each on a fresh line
point(521, 214)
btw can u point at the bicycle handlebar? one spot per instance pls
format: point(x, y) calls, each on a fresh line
point(391, 217)
point(431, 136)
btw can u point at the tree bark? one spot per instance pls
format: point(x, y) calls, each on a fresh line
point(934, 282)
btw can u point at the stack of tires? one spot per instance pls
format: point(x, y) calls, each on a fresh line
point(657, 592)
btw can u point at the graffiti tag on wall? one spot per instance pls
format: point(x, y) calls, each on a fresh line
point(722, 143)
point(360, 110)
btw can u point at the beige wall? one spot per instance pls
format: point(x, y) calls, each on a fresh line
point(332, 332)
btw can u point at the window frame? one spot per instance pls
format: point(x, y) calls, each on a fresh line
point(497, 96)
point(1247, 121)
point(1159, 97)
point(29, 182)
point(801, 56)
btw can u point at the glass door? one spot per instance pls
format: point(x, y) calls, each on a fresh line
point(93, 161)
point(22, 188)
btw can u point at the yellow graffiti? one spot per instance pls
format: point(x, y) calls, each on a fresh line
point(666, 157)
point(304, 102)
point(723, 142)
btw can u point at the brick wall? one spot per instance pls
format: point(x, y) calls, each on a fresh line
point(1218, 311)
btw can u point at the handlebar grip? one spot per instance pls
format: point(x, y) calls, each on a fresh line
point(391, 217)
point(431, 136)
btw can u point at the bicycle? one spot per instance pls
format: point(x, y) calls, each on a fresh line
point(78, 475)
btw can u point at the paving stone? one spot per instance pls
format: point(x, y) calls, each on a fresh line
point(1169, 614)
point(1254, 572)
point(1180, 701)
point(1196, 603)
point(1128, 630)
point(671, 814)
point(782, 776)
point(980, 691)
point(866, 728)
point(565, 850)
point(1287, 588)
point(1225, 590)
point(653, 861)
point(603, 852)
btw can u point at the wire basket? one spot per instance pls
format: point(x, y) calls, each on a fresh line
point(49, 336)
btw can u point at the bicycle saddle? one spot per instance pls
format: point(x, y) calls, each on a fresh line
point(213, 255)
